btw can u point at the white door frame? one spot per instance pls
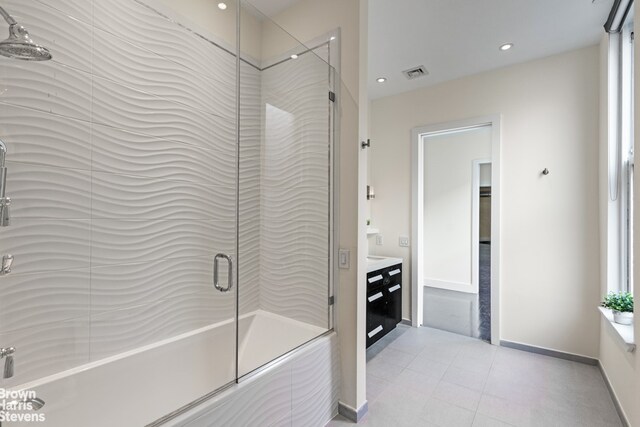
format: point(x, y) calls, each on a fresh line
point(417, 213)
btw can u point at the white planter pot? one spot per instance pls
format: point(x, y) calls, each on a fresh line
point(622, 318)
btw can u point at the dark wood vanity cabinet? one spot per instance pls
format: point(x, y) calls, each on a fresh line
point(384, 301)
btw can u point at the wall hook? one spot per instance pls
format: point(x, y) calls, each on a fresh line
point(365, 144)
point(545, 171)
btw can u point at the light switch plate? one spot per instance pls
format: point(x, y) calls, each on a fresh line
point(379, 240)
point(403, 241)
point(344, 259)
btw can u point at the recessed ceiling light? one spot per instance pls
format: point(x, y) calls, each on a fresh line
point(222, 6)
point(294, 56)
point(381, 79)
point(506, 46)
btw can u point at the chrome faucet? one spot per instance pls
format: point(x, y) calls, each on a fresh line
point(5, 202)
point(7, 354)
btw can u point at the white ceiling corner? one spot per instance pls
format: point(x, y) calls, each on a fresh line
point(457, 38)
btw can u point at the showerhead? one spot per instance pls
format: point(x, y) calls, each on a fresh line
point(20, 46)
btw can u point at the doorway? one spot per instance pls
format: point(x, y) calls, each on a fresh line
point(455, 227)
point(483, 209)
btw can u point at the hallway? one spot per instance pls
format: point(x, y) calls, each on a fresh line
point(428, 377)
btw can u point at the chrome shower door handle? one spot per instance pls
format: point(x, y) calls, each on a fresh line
point(216, 283)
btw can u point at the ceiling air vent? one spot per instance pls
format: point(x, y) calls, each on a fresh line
point(415, 72)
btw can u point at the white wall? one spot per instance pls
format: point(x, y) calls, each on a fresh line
point(448, 213)
point(485, 175)
point(549, 245)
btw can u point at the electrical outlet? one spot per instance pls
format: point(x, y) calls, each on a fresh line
point(344, 259)
point(379, 240)
point(403, 241)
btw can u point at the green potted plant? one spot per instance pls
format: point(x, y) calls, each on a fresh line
point(621, 304)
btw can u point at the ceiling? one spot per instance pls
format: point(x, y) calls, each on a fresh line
point(456, 38)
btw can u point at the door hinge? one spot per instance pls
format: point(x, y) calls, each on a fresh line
point(332, 96)
point(331, 300)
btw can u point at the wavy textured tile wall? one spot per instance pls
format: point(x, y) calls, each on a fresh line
point(121, 241)
point(143, 283)
point(315, 381)
point(152, 32)
point(48, 192)
point(116, 331)
point(58, 296)
point(44, 350)
point(149, 72)
point(40, 245)
point(127, 108)
point(248, 259)
point(301, 392)
point(132, 197)
point(295, 190)
point(42, 138)
point(48, 87)
point(122, 165)
point(121, 151)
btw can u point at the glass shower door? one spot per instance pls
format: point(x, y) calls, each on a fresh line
point(185, 69)
point(122, 172)
point(285, 179)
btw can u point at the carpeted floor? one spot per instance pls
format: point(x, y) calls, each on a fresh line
point(485, 291)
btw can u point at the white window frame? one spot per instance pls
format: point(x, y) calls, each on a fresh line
point(620, 160)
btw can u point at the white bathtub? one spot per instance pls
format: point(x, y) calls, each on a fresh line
point(140, 386)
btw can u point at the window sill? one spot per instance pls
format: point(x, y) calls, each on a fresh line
point(624, 332)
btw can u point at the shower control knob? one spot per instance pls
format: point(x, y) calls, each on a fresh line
point(7, 354)
point(7, 262)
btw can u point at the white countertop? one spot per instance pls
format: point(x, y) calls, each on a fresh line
point(377, 262)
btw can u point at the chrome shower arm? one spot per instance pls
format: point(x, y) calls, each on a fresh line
point(7, 17)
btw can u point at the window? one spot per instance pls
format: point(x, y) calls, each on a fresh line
point(621, 156)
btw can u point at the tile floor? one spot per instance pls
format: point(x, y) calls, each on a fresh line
point(428, 377)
